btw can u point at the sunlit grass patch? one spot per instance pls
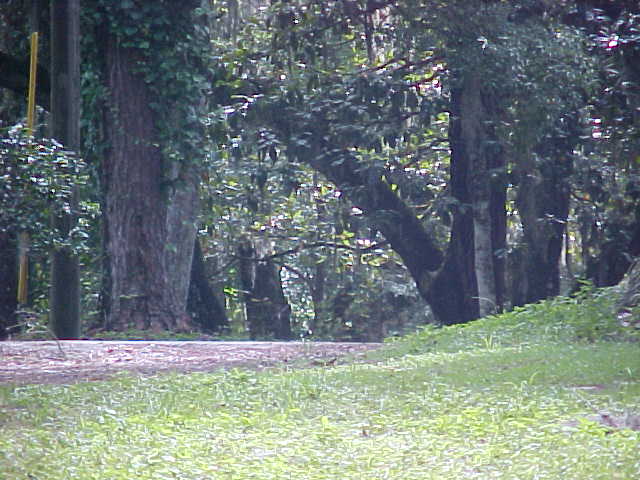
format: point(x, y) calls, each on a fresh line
point(519, 406)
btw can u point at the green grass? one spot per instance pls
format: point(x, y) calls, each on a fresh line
point(501, 398)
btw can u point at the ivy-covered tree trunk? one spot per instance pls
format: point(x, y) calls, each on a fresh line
point(136, 202)
point(267, 309)
point(148, 173)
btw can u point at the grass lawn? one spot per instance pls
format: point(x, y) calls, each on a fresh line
point(518, 396)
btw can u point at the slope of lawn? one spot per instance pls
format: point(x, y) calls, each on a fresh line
point(551, 391)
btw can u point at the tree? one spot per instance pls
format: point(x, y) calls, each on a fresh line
point(479, 54)
point(149, 170)
point(268, 312)
point(204, 304)
point(354, 137)
point(327, 146)
point(610, 186)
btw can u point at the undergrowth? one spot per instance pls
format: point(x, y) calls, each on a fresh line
point(516, 396)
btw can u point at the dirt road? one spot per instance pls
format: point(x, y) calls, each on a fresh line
point(70, 361)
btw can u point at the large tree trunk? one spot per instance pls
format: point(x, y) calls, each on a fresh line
point(65, 127)
point(150, 173)
point(471, 281)
point(448, 284)
point(141, 294)
point(453, 294)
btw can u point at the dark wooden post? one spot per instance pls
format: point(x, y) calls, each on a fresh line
point(65, 127)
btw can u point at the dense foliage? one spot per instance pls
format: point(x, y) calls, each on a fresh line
point(361, 166)
point(38, 179)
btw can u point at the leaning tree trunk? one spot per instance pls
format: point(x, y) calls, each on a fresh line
point(267, 309)
point(447, 281)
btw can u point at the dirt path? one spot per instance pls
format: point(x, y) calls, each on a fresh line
point(70, 361)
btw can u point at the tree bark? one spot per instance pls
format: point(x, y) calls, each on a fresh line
point(65, 127)
point(453, 294)
point(543, 204)
point(394, 218)
point(150, 172)
point(268, 312)
point(204, 305)
point(136, 204)
point(498, 208)
point(474, 120)
point(182, 213)
point(8, 283)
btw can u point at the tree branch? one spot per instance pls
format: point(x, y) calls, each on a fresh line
point(393, 217)
point(305, 246)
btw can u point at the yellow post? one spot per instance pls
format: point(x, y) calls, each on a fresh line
point(23, 274)
point(33, 72)
point(23, 238)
